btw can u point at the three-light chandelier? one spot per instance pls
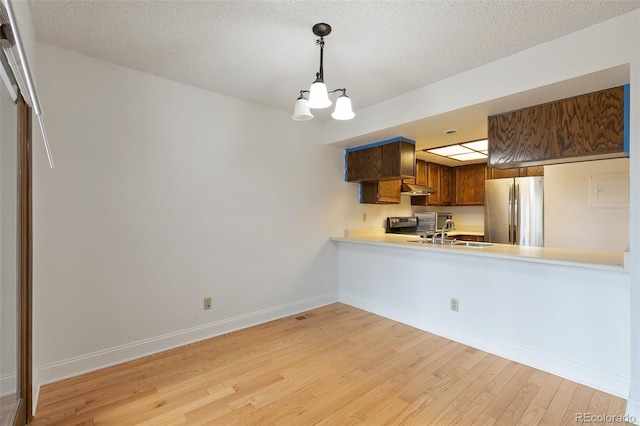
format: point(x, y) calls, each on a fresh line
point(318, 94)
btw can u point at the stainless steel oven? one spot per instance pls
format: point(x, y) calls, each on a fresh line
point(402, 225)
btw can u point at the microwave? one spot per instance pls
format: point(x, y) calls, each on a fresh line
point(431, 221)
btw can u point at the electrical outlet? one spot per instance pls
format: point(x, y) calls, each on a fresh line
point(364, 217)
point(207, 303)
point(454, 305)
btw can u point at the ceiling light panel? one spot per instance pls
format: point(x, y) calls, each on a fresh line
point(447, 151)
point(469, 156)
point(481, 146)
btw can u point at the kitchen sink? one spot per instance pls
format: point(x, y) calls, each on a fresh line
point(447, 242)
point(472, 244)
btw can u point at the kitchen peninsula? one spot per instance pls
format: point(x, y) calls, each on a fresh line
point(608, 261)
point(533, 305)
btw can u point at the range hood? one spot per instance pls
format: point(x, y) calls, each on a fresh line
point(412, 190)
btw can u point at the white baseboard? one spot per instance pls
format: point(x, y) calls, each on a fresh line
point(35, 390)
point(632, 413)
point(71, 367)
point(568, 369)
point(8, 384)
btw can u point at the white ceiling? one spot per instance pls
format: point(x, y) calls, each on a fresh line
point(265, 52)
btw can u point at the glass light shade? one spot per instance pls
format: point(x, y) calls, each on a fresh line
point(343, 109)
point(301, 111)
point(318, 96)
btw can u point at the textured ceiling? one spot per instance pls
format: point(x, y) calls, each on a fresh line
point(265, 52)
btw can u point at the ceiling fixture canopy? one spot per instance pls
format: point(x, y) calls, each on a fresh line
point(318, 94)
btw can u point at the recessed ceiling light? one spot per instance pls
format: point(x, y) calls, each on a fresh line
point(450, 132)
point(474, 150)
point(450, 150)
point(469, 156)
point(482, 145)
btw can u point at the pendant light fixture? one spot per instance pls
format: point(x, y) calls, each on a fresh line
point(318, 94)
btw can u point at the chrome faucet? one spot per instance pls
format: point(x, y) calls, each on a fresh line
point(443, 232)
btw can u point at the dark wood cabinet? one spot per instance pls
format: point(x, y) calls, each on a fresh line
point(532, 171)
point(586, 127)
point(447, 185)
point(493, 173)
point(382, 192)
point(470, 184)
point(433, 180)
point(439, 178)
point(389, 161)
point(421, 173)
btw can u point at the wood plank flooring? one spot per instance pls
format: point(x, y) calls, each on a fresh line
point(335, 365)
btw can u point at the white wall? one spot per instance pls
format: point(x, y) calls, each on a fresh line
point(164, 194)
point(569, 220)
point(374, 215)
point(573, 322)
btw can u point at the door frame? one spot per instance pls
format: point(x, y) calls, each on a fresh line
point(25, 252)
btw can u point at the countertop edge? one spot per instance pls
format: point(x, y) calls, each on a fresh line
point(484, 252)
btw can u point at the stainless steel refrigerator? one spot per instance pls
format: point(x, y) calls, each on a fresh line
point(514, 211)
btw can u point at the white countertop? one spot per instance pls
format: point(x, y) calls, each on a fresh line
point(578, 258)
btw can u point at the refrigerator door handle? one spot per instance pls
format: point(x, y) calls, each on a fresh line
point(516, 215)
point(510, 214)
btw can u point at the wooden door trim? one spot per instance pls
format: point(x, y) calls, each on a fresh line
point(24, 414)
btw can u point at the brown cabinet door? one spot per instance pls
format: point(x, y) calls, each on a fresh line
point(433, 180)
point(421, 179)
point(421, 173)
point(532, 171)
point(470, 185)
point(446, 198)
point(493, 173)
point(389, 191)
point(390, 161)
point(584, 127)
point(384, 192)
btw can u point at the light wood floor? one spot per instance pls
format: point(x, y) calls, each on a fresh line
point(335, 365)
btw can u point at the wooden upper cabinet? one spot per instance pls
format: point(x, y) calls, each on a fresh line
point(470, 184)
point(493, 173)
point(383, 192)
point(532, 171)
point(446, 186)
point(389, 161)
point(421, 173)
point(433, 180)
point(581, 128)
point(439, 178)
